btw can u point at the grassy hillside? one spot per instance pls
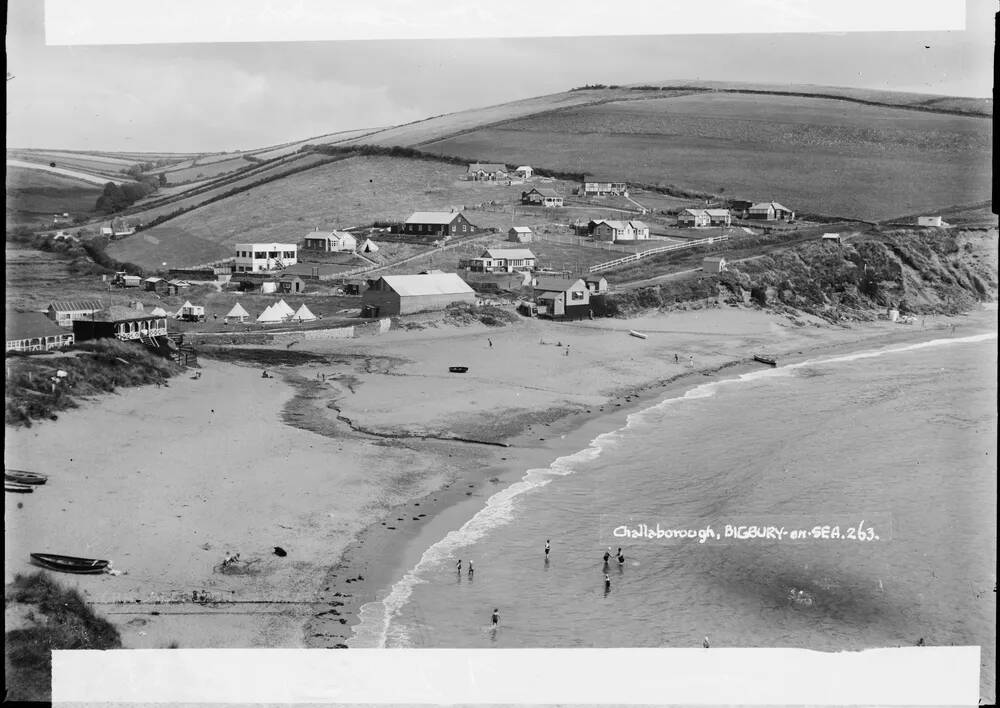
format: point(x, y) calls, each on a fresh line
point(813, 155)
point(352, 192)
point(34, 196)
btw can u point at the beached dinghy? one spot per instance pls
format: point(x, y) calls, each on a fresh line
point(633, 333)
point(764, 360)
point(69, 564)
point(23, 477)
point(458, 369)
point(17, 487)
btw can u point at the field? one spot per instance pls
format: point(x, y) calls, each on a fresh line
point(35, 195)
point(815, 155)
point(350, 192)
point(204, 169)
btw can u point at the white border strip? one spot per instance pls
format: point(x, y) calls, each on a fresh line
point(901, 676)
point(71, 22)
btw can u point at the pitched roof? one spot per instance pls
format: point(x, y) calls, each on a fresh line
point(717, 212)
point(554, 284)
point(154, 279)
point(118, 313)
point(603, 179)
point(523, 167)
point(713, 259)
point(509, 253)
point(521, 229)
point(335, 234)
point(487, 167)
point(636, 224)
point(429, 284)
point(695, 212)
point(433, 217)
point(75, 305)
point(158, 312)
point(546, 192)
point(766, 205)
point(27, 325)
point(618, 225)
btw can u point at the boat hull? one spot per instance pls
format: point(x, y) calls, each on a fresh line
point(765, 360)
point(633, 333)
point(18, 488)
point(69, 564)
point(22, 477)
point(458, 369)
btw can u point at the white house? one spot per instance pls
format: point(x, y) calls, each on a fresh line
point(704, 217)
point(486, 171)
point(609, 230)
point(511, 259)
point(835, 238)
point(524, 172)
point(330, 241)
point(263, 257)
point(601, 186)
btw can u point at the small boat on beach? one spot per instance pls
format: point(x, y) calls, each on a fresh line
point(765, 359)
point(69, 564)
point(633, 333)
point(23, 477)
point(458, 369)
point(17, 487)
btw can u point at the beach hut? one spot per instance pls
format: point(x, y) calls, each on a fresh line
point(303, 314)
point(282, 309)
point(269, 316)
point(237, 313)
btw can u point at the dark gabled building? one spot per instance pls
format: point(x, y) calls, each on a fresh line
point(439, 223)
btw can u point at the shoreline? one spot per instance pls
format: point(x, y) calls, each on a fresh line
point(382, 558)
point(231, 461)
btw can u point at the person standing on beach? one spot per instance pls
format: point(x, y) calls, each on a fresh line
point(490, 341)
point(495, 619)
point(458, 566)
point(677, 359)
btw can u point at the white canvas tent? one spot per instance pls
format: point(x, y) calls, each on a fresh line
point(158, 312)
point(368, 246)
point(186, 307)
point(303, 314)
point(283, 310)
point(269, 316)
point(237, 313)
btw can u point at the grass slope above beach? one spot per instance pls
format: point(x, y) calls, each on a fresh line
point(40, 616)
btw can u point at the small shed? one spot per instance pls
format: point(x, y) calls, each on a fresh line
point(291, 284)
point(831, 238)
point(929, 221)
point(596, 284)
point(713, 264)
point(519, 234)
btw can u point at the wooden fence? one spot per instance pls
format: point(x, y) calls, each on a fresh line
point(653, 251)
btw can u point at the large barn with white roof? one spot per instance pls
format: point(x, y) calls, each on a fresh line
point(403, 294)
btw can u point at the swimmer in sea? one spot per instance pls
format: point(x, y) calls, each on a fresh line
point(607, 581)
point(621, 557)
point(607, 556)
point(495, 619)
point(458, 566)
point(470, 569)
point(547, 548)
point(704, 642)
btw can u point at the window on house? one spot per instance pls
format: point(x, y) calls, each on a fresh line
point(577, 295)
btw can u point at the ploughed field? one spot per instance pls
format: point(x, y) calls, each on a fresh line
point(813, 155)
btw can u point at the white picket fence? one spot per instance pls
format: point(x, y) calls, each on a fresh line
point(652, 251)
point(581, 241)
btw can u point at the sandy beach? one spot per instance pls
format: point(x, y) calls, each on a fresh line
point(351, 463)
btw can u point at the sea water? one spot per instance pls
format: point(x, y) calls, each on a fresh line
point(895, 448)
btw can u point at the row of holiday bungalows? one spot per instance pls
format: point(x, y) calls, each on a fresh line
point(34, 331)
point(762, 211)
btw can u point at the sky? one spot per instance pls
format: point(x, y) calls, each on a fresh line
point(222, 96)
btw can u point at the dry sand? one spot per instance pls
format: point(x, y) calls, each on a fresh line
point(165, 481)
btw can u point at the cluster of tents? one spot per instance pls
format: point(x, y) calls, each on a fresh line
point(278, 312)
